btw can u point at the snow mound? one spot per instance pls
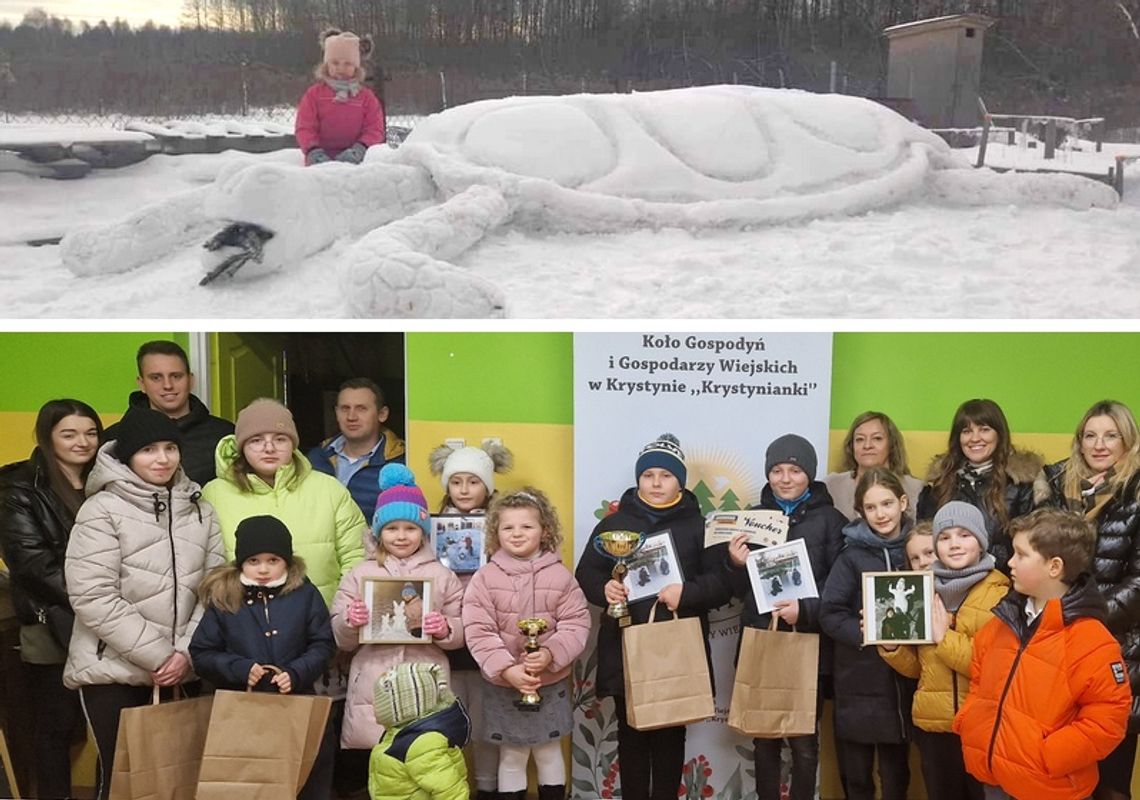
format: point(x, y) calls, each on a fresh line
point(986, 187)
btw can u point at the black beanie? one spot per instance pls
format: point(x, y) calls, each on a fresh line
point(263, 534)
point(791, 449)
point(140, 427)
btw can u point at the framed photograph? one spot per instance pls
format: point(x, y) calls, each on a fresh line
point(897, 607)
point(458, 542)
point(396, 607)
point(780, 572)
point(653, 568)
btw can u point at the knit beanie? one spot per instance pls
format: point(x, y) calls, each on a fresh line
point(410, 691)
point(791, 449)
point(345, 46)
point(470, 459)
point(664, 452)
point(400, 499)
point(140, 427)
point(264, 417)
point(262, 534)
point(959, 514)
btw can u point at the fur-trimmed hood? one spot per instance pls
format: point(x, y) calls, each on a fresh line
point(1023, 467)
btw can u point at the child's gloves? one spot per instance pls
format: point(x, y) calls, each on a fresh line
point(356, 613)
point(354, 154)
point(435, 625)
point(318, 156)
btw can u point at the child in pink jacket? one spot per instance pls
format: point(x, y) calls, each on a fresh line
point(526, 579)
point(401, 527)
point(338, 118)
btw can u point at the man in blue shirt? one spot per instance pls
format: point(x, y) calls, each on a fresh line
point(364, 444)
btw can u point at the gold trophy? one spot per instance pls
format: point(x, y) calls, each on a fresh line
point(530, 627)
point(619, 545)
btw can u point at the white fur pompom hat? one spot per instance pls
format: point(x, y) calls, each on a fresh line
point(482, 462)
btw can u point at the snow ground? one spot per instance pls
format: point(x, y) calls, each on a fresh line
point(967, 244)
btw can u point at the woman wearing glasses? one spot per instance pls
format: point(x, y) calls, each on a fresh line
point(1101, 479)
point(261, 471)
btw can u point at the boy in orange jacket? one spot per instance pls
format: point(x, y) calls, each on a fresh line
point(1049, 693)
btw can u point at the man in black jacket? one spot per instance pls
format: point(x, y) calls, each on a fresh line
point(165, 384)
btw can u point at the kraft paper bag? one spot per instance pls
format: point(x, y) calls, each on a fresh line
point(159, 749)
point(261, 745)
point(777, 677)
point(666, 674)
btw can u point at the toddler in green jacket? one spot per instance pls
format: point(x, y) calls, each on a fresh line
point(420, 756)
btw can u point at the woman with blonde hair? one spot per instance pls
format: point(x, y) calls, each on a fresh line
point(873, 440)
point(1101, 479)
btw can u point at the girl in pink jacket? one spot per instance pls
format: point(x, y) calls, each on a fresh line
point(401, 527)
point(338, 118)
point(526, 579)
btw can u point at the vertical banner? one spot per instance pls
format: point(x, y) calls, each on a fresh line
point(725, 397)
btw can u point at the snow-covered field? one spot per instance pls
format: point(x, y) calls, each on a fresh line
point(673, 210)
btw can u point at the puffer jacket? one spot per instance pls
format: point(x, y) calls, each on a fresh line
point(1116, 569)
point(943, 669)
point(508, 589)
point(286, 626)
point(34, 528)
point(200, 430)
point(871, 699)
point(1025, 490)
point(364, 485)
point(705, 586)
point(327, 527)
point(134, 561)
point(1048, 698)
point(361, 730)
point(422, 760)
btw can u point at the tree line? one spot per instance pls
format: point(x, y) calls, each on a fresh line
point(1058, 56)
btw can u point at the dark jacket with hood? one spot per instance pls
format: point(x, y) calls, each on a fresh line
point(364, 485)
point(1025, 490)
point(820, 525)
point(201, 432)
point(34, 528)
point(286, 626)
point(1116, 569)
point(705, 584)
point(872, 701)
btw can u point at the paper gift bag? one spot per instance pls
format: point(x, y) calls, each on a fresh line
point(666, 673)
point(261, 745)
point(777, 675)
point(159, 749)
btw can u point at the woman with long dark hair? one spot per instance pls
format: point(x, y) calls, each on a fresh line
point(1101, 480)
point(981, 467)
point(38, 501)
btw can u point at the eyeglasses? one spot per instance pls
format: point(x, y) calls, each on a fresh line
point(1110, 439)
point(279, 441)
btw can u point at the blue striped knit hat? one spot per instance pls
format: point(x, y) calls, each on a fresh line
point(665, 453)
point(400, 499)
point(408, 692)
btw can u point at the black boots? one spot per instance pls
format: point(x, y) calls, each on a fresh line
point(551, 793)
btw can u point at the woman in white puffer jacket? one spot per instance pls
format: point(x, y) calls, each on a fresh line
point(141, 544)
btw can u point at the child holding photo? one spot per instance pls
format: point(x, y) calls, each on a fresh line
point(651, 761)
point(526, 579)
point(967, 587)
point(792, 488)
point(401, 528)
point(871, 700)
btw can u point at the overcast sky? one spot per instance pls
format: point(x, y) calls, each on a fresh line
point(136, 12)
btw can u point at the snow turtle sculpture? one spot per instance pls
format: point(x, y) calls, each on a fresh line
point(707, 157)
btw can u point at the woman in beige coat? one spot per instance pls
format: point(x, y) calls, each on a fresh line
point(141, 544)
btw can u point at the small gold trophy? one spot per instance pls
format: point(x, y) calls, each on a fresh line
point(531, 627)
point(619, 545)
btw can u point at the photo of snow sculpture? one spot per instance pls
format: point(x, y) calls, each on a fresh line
point(458, 542)
point(780, 572)
point(897, 607)
point(653, 568)
point(396, 607)
point(731, 159)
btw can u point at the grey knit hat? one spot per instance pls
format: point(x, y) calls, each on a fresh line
point(958, 514)
point(791, 449)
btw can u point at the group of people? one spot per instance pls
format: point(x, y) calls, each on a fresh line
point(137, 561)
